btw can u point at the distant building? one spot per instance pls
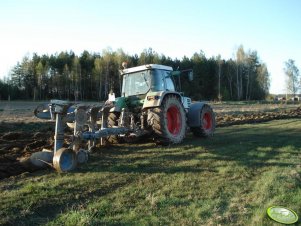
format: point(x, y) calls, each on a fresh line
point(296, 98)
point(282, 97)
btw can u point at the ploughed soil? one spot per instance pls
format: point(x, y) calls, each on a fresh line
point(21, 134)
point(257, 117)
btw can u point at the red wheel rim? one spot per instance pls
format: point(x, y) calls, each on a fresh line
point(174, 120)
point(207, 121)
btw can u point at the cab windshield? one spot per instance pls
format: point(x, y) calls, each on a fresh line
point(139, 83)
point(136, 83)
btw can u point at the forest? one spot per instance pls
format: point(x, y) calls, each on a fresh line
point(91, 76)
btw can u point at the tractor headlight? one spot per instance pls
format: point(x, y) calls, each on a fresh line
point(149, 98)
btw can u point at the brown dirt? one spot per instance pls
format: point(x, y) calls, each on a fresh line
point(15, 146)
point(258, 117)
point(21, 134)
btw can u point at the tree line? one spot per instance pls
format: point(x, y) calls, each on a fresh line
point(91, 76)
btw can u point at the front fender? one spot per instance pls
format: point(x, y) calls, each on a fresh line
point(154, 99)
point(194, 114)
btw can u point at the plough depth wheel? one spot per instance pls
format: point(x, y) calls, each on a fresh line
point(64, 160)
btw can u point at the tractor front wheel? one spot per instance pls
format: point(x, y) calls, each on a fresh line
point(169, 120)
point(112, 122)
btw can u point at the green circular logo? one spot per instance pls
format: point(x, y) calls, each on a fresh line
point(282, 215)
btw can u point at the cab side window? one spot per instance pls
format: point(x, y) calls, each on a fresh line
point(169, 83)
point(157, 81)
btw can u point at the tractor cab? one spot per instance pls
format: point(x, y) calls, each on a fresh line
point(146, 86)
point(147, 78)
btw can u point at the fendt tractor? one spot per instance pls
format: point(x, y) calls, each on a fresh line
point(150, 106)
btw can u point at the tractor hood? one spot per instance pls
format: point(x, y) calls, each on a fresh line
point(127, 102)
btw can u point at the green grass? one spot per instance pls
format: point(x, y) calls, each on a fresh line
point(230, 179)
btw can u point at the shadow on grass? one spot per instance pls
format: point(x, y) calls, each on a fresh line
point(68, 198)
point(146, 159)
point(253, 146)
point(263, 145)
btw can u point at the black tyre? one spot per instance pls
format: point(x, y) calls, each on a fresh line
point(113, 121)
point(207, 127)
point(169, 120)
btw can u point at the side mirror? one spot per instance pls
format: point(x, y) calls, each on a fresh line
point(190, 75)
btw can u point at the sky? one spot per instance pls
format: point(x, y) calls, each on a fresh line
point(174, 28)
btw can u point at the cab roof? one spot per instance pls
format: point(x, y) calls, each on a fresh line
point(146, 67)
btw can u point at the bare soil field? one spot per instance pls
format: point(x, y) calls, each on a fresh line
point(22, 134)
point(228, 114)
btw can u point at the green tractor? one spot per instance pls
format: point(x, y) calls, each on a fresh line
point(150, 105)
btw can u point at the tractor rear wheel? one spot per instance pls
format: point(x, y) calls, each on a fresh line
point(207, 126)
point(169, 120)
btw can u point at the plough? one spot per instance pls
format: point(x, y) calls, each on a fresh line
point(88, 123)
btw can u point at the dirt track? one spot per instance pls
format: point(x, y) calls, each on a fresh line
point(21, 133)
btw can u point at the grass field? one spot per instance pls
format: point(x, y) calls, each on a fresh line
point(230, 179)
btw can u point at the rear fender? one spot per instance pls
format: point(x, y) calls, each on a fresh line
point(194, 114)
